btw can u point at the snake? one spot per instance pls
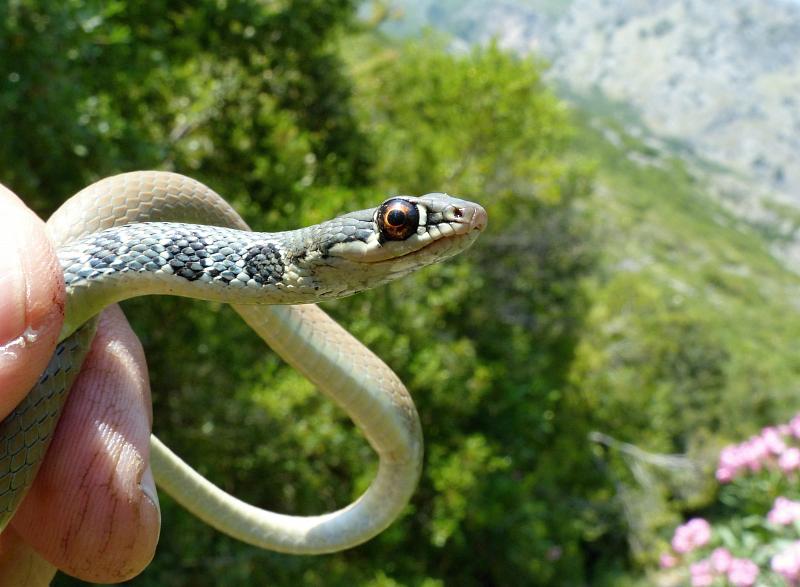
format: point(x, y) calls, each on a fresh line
point(159, 232)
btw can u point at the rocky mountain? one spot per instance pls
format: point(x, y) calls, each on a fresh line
point(716, 82)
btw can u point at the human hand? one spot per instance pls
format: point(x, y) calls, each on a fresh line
point(92, 510)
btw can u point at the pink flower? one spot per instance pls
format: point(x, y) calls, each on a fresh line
point(773, 440)
point(787, 562)
point(742, 572)
point(721, 560)
point(756, 452)
point(789, 460)
point(667, 561)
point(784, 511)
point(794, 426)
point(702, 574)
point(731, 461)
point(691, 535)
point(725, 474)
point(732, 456)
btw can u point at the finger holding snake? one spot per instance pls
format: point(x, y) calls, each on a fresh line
point(31, 300)
point(91, 510)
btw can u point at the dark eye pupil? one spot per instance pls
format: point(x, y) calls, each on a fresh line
point(396, 217)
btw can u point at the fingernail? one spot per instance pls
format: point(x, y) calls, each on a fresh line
point(148, 485)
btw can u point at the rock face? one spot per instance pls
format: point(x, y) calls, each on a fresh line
point(720, 78)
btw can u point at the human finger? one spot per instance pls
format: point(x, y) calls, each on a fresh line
point(31, 300)
point(93, 510)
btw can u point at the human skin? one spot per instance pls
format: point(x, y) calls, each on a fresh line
point(92, 510)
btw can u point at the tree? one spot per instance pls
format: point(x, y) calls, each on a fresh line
point(257, 100)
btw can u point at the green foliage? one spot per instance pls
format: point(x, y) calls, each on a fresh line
point(691, 324)
point(641, 309)
point(501, 321)
point(755, 518)
point(256, 99)
point(93, 88)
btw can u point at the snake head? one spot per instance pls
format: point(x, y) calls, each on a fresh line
point(404, 233)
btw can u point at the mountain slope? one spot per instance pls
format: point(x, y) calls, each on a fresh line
point(678, 268)
point(721, 85)
point(688, 233)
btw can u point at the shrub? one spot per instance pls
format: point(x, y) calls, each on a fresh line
point(754, 537)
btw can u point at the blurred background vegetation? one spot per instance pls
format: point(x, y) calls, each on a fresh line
point(602, 320)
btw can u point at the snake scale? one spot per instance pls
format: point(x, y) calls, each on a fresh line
point(154, 232)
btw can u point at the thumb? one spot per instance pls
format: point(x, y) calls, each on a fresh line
point(31, 299)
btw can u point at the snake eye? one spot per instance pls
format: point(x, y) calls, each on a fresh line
point(397, 219)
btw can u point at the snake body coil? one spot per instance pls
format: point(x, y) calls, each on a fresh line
point(121, 238)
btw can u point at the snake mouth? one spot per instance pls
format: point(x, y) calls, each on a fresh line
point(479, 218)
point(464, 224)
